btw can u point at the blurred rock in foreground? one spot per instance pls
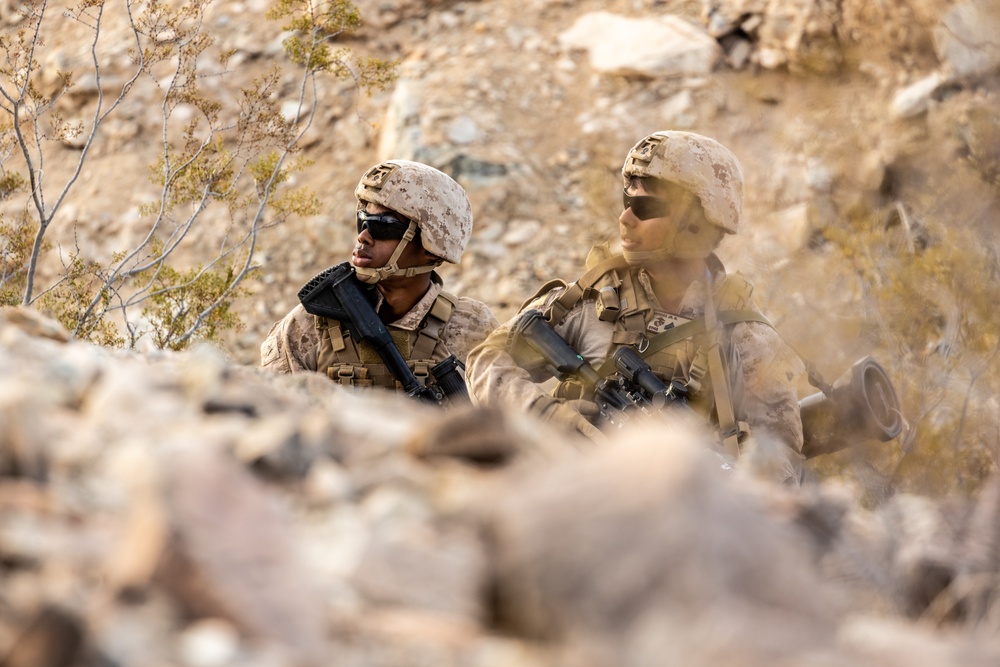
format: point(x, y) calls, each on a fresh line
point(178, 509)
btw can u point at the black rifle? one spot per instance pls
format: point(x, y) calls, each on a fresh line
point(337, 293)
point(632, 388)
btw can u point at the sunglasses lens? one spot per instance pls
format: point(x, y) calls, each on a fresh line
point(381, 227)
point(645, 208)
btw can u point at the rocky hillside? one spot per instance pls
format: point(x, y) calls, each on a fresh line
point(163, 508)
point(179, 509)
point(868, 133)
point(833, 108)
point(840, 112)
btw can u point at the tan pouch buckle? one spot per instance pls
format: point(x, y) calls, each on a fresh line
point(348, 374)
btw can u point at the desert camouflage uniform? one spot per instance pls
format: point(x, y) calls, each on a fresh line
point(739, 375)
point(765, 371)
point(437, 326)
point(304, 342)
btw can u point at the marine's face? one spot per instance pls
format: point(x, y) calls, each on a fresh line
point(644, 235)
point(374, 252)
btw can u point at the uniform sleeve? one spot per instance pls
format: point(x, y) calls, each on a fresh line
point(469, 325)
point(496, 379)
point(291, 344)
point(770, 373)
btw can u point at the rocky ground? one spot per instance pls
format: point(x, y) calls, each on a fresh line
point(868, 134)
point(182, 509)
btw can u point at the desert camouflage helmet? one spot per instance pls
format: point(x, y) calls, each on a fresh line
point(429, 197)
point(698, 164)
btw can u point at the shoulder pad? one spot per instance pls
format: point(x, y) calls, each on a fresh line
point(443, 306)
point(583, 287)
point(598, 254)
point(449, 297)
point(543, 291)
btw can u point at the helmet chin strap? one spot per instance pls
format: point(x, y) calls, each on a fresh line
point(669, 252)
point(371, 276)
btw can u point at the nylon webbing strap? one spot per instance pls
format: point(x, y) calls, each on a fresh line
point(695, 327)
point(729, 430)
point(734, 316)
point(336, 336)
point(687, 330)
point(815, 379)
point(633, 318)
point(430, 334)
point(572, 294)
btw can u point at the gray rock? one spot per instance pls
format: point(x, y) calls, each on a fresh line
point(665, 46)
point(914, 99)
point(799, 34)
point(463, 130)
point(401, 137)
point(966, 40)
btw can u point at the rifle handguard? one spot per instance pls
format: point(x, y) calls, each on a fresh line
point(532, 328)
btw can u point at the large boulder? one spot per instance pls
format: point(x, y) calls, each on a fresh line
point(663, 46)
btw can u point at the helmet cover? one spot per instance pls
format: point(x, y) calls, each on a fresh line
point(697, 163)
point(427, 196)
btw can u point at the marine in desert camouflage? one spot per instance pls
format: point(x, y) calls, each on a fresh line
point(667, 295)
point(411, 218)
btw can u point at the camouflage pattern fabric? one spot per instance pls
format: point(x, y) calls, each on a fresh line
point(292, 345)
point(698, 164)
point(769, 369)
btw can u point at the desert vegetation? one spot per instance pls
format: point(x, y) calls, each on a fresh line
point(231, 150)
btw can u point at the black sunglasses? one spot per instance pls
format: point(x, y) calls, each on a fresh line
point(645, 208)
point(382, 227)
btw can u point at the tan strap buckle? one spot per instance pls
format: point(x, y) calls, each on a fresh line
point(349, 374)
